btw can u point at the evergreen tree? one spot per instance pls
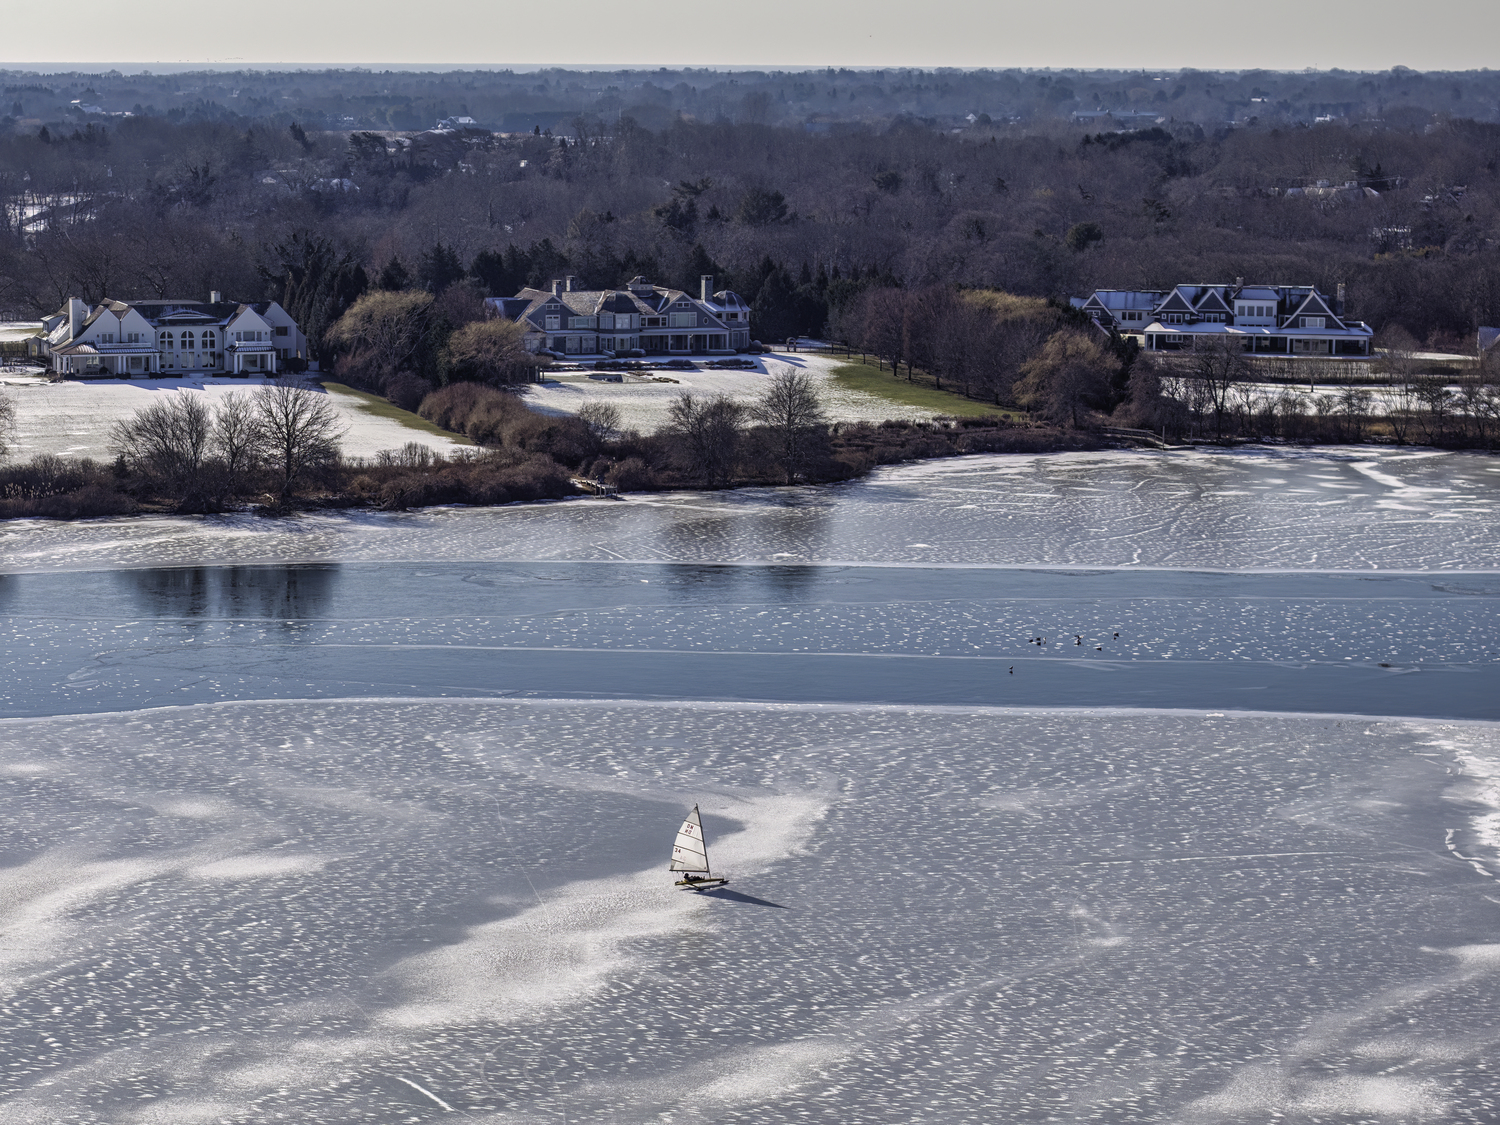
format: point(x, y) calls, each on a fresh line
point(394, 277)
point(439, 268)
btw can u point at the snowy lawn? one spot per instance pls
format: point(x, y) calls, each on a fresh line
point(643, 403)
point(73, 419)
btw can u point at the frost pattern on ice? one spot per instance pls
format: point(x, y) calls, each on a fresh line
point(1357, 509)
point(326, 909)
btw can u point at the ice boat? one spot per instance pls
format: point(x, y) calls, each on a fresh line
point(690, 855)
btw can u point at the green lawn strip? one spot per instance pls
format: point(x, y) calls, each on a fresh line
point(881, 384)
point(374, 404)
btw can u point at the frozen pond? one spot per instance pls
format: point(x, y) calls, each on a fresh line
point(1372, 643)
point(1260, 509)
point(239, 911)
point(365, 817)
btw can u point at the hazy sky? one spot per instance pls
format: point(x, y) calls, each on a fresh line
point(1275, 34)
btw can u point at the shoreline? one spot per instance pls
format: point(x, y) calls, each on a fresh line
point(960, 438)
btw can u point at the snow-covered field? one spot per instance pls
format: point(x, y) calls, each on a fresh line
point(643, 403)
point(73, 418)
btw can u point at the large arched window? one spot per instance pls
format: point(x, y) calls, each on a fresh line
point(208, 341)
point(166, 340)
point(187, 340)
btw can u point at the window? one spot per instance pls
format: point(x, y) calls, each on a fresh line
point(208, 339)
point(554, 323)
point(281, 330)
point(1313, 322)
point(1126, 315)
point(684, 320)
point(166, 339)
point(187, 339)
point(1174, 318)
point(607, 321)
point(622, 322)
point(579, 322)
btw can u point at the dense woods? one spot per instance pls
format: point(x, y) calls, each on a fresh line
point(255, 195)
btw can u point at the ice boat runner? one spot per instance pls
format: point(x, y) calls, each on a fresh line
point(690, 855)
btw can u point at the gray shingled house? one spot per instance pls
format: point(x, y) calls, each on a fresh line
point(641, 318)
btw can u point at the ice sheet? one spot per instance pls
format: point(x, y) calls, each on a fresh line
point(370, 910)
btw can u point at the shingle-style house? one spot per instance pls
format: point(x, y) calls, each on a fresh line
point(1290, 320)
point(142, 339)
point(606, 323)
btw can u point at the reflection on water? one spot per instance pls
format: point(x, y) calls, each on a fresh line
point(278, 593)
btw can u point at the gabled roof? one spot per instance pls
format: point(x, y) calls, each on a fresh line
point(1212, 301)
point(1313, 305)
point(119, 308)
point(1177, 302)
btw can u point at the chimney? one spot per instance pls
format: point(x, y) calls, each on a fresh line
point(78, 312)
point(569, 281)
point(705, 286)
point(1338, 302)
point(556, 287)
point(215, 297)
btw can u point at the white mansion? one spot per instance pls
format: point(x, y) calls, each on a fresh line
point(605, 323)
point(142, 339)
point(1290, 320)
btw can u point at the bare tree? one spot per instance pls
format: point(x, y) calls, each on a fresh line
point(1068, 375)
point(7, 425)
point(167, 442)
point(383, 332)
point(493, 351)
point(299, 430)
point(1437, 406)
point(602, 419)
point(1219, 366)
point(237, 436)
point(1398, 403)
point(708, 434)
point(795, 422)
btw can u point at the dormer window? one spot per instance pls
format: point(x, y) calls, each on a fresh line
point(1313, 322)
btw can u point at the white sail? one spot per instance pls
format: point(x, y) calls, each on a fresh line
point(689, 852)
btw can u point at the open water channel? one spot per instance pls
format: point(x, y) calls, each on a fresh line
point(1095, 788)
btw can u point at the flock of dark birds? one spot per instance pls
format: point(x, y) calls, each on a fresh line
point(1077, 641)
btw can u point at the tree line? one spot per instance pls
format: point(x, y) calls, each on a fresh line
point(144, 207)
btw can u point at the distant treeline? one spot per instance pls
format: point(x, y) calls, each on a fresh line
point(799, 223)
point(823, 99)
